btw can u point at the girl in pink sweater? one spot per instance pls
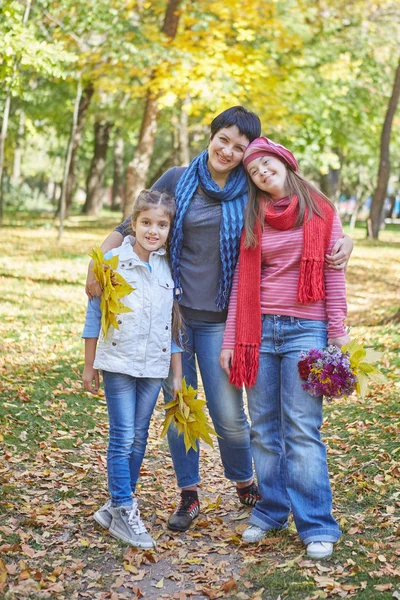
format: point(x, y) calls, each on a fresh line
point(285, 299)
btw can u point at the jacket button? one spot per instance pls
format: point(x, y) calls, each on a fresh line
point(164, 349)
point(167, 284)
point(119, 322)
point(114, 343)
point(166, 327)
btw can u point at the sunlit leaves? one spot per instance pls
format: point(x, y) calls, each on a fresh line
point(362, 364)
point(21, 45)
point(113, 286)
point(185, 411)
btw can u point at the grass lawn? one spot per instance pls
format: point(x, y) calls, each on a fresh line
point(53, 436)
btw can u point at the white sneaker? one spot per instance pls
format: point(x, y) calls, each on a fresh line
point(127, 526)
point(103, 516)
point(253, 534)
point(319, 549)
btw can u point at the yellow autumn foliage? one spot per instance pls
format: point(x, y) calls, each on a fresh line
point(113, 286)
point(186, 412)
point(362, 363)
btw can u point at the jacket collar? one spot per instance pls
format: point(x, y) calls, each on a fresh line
point(127, 252)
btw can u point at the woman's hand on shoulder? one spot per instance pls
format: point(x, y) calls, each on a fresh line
point(340, 254)
point(339, 341)
point(225, 359)
point(91, 379)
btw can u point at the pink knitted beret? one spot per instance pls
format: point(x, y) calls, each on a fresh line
point(263, 146)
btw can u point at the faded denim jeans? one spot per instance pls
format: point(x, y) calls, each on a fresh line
point(225, 405)
point(289, 455)
point(130, 403)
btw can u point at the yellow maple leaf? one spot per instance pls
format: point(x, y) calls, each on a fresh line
point(113, 287)
point(361, 363)
point(186, 412)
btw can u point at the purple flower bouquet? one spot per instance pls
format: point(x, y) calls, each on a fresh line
point(327, 372)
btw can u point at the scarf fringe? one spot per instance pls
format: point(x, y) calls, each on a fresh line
point(245, 365)
point(311, 281)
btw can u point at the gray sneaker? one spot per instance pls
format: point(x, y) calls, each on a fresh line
point(103, 516)
point(127, 526)
point(253, 534)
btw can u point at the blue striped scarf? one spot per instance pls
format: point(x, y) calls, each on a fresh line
point(233, 198)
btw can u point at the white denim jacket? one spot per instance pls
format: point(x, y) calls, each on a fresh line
point(141, 347)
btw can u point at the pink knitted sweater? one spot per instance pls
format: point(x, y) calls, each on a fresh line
point(280, 262)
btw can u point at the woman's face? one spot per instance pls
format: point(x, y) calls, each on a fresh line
point(225, 151)
point(269, 175)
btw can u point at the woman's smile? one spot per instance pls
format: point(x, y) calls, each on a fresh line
point(225, 152)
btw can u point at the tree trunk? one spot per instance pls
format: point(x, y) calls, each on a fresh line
point(6, 113)
point(68, 158)
point(137, 170)
point(396, 316)
point(379, 196)
point(16, 176)
point(330, 183)
point(3, 136)
point(95, 177)
point(392, 203)
point(86, 97)
point(117, 187)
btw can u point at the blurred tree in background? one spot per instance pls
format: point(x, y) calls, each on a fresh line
point(151, 75)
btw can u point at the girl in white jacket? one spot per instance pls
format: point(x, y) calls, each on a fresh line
point(135, 359)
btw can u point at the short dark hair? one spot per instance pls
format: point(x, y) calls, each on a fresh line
point(247, 122)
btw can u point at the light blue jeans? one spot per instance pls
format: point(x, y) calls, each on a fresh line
point(289, 455)
point(225, 405)
point(130, 403)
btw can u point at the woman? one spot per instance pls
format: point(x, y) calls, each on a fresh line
point(285, 300)
point(211, 195)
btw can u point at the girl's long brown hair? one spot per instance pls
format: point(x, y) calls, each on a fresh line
point(153, 199)
point(309, 197)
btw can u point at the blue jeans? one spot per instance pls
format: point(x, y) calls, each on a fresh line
point(130, 403)
point(225, 405)
point(289, 456)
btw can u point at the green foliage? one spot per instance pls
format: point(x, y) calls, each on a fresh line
point(318, 74)
point(22, 46)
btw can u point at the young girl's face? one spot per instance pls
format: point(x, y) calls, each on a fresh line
point(151, 230)
point(269, 175)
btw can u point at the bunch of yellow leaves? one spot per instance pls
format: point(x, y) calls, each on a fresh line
point(186, 412)
point(362, 364)
point(113, 286)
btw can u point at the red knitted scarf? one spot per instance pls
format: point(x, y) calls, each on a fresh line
point(317, 233)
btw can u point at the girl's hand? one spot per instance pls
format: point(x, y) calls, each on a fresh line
point(340, 254)
point(90, 379)
point(176, 385)
point(225, 359)
point(339, 341)
point(92, 287)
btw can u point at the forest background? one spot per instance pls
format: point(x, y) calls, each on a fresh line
point(98, 98)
